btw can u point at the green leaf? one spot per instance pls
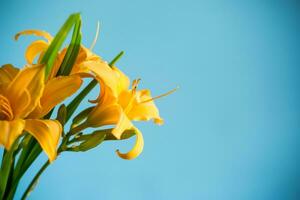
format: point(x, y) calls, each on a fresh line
point(72, 51)
point(51, 53)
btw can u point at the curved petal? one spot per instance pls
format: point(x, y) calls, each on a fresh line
point(47, 133)
point(5, 109)
point(107, 111)
point(39, 33)
point(29, 80)
point(7, 73)
point(102, 71)
point(144, 111)
point(56, 91)
point(136, 150)
point(34, 49)
point(10, 131)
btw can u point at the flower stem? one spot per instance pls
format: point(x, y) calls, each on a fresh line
point(34, 180)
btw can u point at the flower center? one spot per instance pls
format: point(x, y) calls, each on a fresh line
point(5, 109)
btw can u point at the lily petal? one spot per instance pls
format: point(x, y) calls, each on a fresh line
point(7, 73)
point(102, 71)
point(123, 124)
point(34, 49)
point(47, 133)
point(39, 33)
point(136, 150)
point(104, 115)
point(10, 131)
point(29, 80)
point(56, 91)
point(107, 111)
point(123, 80)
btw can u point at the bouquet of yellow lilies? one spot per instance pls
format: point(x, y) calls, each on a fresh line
point(29, 122)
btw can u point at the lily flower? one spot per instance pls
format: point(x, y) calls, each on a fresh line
point(20, 93)
point(129, 105)
point(25, 98)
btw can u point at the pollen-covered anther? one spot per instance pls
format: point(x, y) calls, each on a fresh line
point(5, 109)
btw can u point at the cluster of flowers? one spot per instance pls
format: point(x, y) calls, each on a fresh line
point(29, 96)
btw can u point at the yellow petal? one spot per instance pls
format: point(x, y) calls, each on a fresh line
point(39, 33)
point(107, 111)
point(30, 81)
point(84, 55)
point(123, 124)
point(144, 111)
point(10, 131)
point(7, 73)
point(123, 80)
point(104, 115)
point(102, 71)
point(34, 49)
point(47, 133)
point(5, 109)
point(136, 150)
point(56, 91)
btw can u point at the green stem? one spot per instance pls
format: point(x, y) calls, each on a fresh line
point(31, 157)
point(34, 180)
point(77, 100)
point(6, 169)
point(112, 63)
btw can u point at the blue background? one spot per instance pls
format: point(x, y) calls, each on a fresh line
point(231, 131)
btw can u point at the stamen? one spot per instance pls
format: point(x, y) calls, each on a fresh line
point(135, 84)
point(160, 96)
point(96, 36)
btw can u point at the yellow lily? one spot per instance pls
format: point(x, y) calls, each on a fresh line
point(21, 93)
point(120, 110)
